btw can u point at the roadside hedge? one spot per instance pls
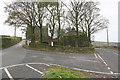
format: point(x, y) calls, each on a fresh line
point(59, 48)
point(9, 41)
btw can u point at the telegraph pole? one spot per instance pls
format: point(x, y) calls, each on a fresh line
point(107, 37)
point(15, 32)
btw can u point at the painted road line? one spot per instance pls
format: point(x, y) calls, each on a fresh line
point(116, 73)
point(111, 51)
point(91, 71)
point(85, 60)
point(40, 63)
point(12, 66)
point(116, 53)
point(34, 69)
point(22, 65)
point(8, 73)
point(102, 59)
point(111, 72)
point(82, 69)
point(95, 55)
point(109, 68)
point(105, 64)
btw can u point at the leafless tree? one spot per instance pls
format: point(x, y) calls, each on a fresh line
point(75, 15)
point(92, 20)
point(30, 14)
point(84, 16)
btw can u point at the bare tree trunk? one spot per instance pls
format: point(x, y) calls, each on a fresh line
point(40, 34)
point(89, 36)
point(40, 28)
point(32, 36)
point(76, 25)
point(59, 25)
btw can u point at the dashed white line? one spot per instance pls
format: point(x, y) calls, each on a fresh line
point(115, 53)
point(105, 64)
point(8, 73)
point(102, 59)
point(109, 68)
point(35, 69)
point(95, 56)
point(111, 72)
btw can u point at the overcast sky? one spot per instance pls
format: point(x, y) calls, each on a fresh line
point(109, 9)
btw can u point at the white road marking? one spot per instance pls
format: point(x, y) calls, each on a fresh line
point(109, 68)
point(115, 53)
point(21, 65)
point(111, 72)
point(82, 69)
point(102, 59)
point(84, 59)
point(61, 66)
point(105, 64)
point(35, 69)
point(12, 66)
point(88, 60)
point(117, 73)
point(92, 71)
point(95, 55)
point(8, 73)
point(111, 51)
point(40, 63)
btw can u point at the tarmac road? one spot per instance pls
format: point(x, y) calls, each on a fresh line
point(104, 62)
point(111, 58)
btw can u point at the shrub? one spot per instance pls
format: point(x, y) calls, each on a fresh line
point(9, 41)
point(73, 40)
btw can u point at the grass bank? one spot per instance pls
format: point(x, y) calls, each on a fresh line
point(111, 47)
point(63, 73)
point(9, 41)
point(58, 48)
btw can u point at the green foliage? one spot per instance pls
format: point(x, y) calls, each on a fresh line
point(59, 48)
point(9, 41)
point(60, 74)
point(70, 39)
point(64, 73)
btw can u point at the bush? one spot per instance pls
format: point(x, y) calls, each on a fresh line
point(73, 40)
point(59, 48)
point(9, 41)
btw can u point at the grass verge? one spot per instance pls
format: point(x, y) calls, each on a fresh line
point(62, 49)
point(111, 47)
point(62, 72)
point(9, 41)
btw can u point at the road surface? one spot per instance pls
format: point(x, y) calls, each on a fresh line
point(18, 62)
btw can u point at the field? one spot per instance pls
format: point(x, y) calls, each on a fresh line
point(104, 44)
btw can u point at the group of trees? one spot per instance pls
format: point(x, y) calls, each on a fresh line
point(81, 15)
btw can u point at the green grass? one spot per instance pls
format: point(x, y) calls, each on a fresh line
point(9, 41)
point(62, 72)
point(58, 48)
